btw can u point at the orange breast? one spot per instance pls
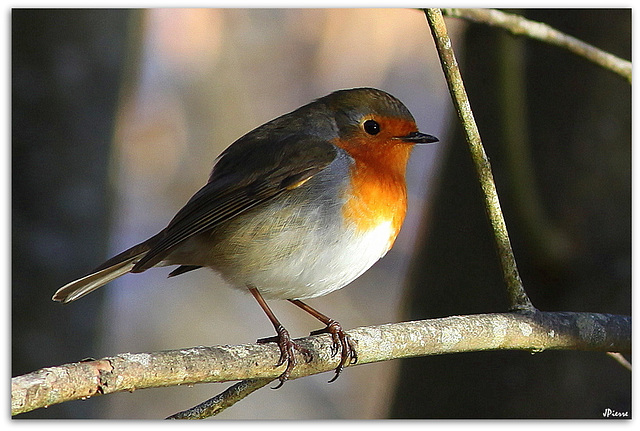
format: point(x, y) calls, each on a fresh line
point(378, 194)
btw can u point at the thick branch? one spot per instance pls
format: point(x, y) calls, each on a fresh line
point(518, 25)
point(500, 331)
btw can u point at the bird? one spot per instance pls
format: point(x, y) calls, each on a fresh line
point(294, 209)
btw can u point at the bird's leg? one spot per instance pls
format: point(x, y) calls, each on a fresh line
point(341, 341)
point(283, 339)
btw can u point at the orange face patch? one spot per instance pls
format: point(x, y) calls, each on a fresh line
point(378, 192)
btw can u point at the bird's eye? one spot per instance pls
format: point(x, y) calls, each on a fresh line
point(371, 127)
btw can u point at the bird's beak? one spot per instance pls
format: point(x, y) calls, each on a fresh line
point(418, 138)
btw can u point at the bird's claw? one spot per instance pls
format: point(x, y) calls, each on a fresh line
point(341, 342)
point(287, 354)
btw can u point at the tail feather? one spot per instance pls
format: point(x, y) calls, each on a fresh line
point(108, 271)
point(87, 284)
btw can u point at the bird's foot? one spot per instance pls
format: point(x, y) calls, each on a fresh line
point(287, 354)
point(341, 342)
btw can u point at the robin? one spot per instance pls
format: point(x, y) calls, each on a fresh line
point(294, 209)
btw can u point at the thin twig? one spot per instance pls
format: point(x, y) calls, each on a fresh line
point(517, 296)
point(620, 359)
point(220, 402)
point(534, 332)
point(518, 25)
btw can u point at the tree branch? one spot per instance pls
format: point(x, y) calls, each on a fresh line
point(229, 397)
point(534, 332)
point(518, 25)
point(517, 296)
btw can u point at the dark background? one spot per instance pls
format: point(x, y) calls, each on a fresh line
point(66, 69)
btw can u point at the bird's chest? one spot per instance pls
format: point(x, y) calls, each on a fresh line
point(376, 204)
point(315, 239)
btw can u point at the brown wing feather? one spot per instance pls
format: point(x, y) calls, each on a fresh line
point(230, 193)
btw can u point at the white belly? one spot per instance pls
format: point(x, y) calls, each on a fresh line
point(297, 262)
point(319, 267)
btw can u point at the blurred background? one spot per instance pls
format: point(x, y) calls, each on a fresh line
point(118, 115)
